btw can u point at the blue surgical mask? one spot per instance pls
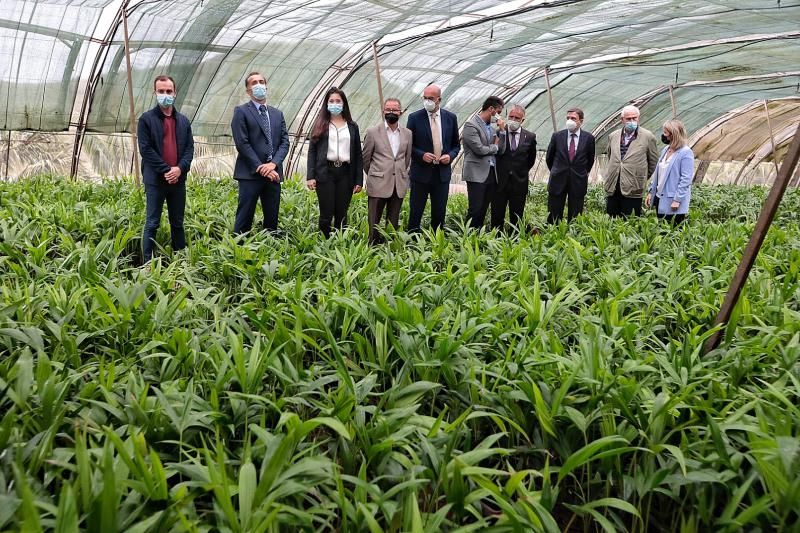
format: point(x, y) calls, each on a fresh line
point(335, 109)
point(165, 100)
point(631, 126)
point(259, 91)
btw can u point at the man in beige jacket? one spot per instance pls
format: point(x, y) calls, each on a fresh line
point(387, 156)
point(632, 158)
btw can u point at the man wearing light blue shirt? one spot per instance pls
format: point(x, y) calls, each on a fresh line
point(483, 137)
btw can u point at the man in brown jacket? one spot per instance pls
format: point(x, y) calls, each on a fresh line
point(387, 156)
point(632, 158)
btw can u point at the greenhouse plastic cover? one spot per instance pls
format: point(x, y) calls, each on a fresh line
point(62, 63)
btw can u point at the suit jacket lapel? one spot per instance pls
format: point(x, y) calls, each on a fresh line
point(384, 138)
point(257, 116)
point(481, 128)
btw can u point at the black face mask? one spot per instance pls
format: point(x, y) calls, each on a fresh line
point(664, 139)
point(391, 118)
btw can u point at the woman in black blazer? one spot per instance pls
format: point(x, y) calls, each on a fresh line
point(335, 165)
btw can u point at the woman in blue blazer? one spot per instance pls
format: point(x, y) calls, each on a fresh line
point(671, 186)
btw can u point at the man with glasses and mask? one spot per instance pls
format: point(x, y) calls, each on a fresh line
point(513, 167)
point(262, 142)
point(387, 156)
point(632, 158)
point(435, 144)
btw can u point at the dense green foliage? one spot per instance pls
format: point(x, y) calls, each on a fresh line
point(459, 381)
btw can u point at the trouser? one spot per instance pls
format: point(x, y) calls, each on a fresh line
point(618, 205)
point(479, 197)
point(514, 200)
point(250, 191)
point(555, 206)
point(438, 192)
point(155, 196)
point(375, 207)
point(675, 220)
point(334, 195)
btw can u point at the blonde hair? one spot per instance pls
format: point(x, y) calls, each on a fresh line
point(677, 132)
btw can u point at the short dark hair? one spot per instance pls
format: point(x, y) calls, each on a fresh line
point(492, 101)
point(247, 78)
point(577, 110)
point(164, 78)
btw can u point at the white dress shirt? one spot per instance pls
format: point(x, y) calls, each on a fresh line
point(338, 143)
point(394, 137)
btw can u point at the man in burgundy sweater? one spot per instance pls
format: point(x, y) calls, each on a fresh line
point(167, 149)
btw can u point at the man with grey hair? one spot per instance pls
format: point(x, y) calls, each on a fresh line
point(513, 167)
point(632, 158)
point(387, 156)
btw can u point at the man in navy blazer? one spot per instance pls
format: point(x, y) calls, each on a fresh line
point(570, 157)
point(262, 142)
point(167, 148)
point(434, 146)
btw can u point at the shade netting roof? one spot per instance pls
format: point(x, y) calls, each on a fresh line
point(62, 62)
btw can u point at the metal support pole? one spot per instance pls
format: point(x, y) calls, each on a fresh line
point(550, 97)
point(378, 74)
point(771, 137)
point(130, 96)
point(756, 239)
point(672, 101)
point(8, 154)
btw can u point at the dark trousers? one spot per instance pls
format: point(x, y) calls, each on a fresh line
point(438, 193)
point(555, 206)
point(511, 198)
point(375, 207)
point(479, 197)
point(675, 220)
point(618, 205)
point(155, 195)
point(334, 195)
point(250, 191)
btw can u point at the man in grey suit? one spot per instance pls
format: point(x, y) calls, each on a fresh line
point(632, 158)
point(262, 142)
point(483, 137)
point(387, 156)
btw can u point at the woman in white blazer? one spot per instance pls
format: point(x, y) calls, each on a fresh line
point(671, 185)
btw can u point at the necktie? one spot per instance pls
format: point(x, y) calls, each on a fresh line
point(262, 111)
point(514, 141)
point(572, 146)
point(437, 136)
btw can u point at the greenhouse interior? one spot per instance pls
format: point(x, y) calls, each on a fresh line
point(631, 366)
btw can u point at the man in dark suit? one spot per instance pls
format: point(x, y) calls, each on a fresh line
point(434, 146)
point(570, 157)
point(167, 148)
point(262, 143)
point(513, 167)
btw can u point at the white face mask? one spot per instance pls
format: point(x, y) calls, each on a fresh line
point(571, 125)
point(513, 125)
point(429, 105)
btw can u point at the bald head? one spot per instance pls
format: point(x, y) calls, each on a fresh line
point(432, 97)
point(432, 91)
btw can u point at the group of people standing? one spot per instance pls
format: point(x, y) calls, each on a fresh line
point(415, 160)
